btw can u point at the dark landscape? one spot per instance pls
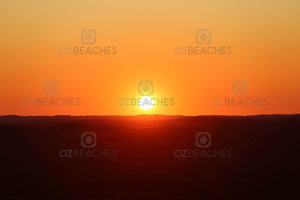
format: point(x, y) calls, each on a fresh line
point(138, 160)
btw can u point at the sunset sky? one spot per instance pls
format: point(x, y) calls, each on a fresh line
point(263, 37)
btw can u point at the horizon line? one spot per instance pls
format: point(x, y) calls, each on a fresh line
point(139, 115)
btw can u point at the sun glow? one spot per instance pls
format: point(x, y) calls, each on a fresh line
point(146, 103)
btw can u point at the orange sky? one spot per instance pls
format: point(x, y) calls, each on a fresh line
point(263, 36)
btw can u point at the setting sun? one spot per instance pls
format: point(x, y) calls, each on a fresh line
point(146, 103)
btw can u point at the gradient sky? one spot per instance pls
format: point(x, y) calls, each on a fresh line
point(263, 36)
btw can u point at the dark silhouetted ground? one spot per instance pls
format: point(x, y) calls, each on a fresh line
point(138, 161)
